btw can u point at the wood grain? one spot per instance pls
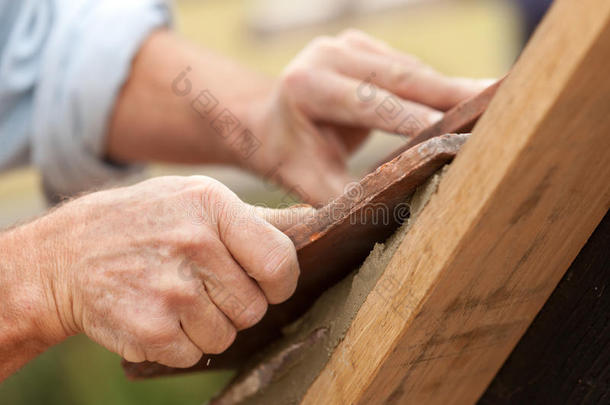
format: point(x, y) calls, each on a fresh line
point(511, 214)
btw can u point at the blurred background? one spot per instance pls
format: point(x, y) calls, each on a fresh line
point(476, 38)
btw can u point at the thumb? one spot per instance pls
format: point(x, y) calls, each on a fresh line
point(285, 218)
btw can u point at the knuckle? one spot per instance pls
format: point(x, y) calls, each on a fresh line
point(207, 188)
point(188, 358)
point(352, 34)
point(210, 184)
point(193, 203)
point(164, 287)
point(231, 219)
point(198, 180)
point(132, 352)
point(280, 261)
point(213, 193)
point(221, 207)
point(180, 355)
point(399, 73)
point(223, 340)
point(169, 291)
point(203, 240)
point(295, 78)
point(255, 311)
point(153, 335)
point(189, 295)
point(326, 49)
point(402, 75)
point(322, 43)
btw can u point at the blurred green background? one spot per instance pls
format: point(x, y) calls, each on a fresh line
point(477, 38)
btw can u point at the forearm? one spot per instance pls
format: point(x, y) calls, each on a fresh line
point(154, 118)
point(28, 319)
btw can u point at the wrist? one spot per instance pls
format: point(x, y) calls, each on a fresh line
point(32, 276)
point(171, 113)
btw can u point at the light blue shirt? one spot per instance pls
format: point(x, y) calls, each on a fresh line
point(62, 65)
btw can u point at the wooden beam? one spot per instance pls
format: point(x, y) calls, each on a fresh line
point(564, 357)
point(516, 206)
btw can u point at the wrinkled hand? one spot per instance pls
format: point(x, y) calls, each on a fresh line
point(167, 269)
point(330, 96)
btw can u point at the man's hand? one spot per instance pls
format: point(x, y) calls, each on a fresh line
point(162, 271)
point(196, 107)
point(328, 98)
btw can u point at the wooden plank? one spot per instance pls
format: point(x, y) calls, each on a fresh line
point(564, 357)
point(514, 209)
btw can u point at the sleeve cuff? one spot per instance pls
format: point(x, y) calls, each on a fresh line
point(85, 63)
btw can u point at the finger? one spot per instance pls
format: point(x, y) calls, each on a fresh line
point(329, 96)
point(351, 137)
point(360, 39)
point(404, 74)
point(206, 326)
point(285, 218)
point(229, 287)
point(299, 177)
point(314, 189)
point(172, 348)
point(264, 252)
point(299, 173)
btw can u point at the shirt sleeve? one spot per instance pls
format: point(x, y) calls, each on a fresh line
point(82, 59)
